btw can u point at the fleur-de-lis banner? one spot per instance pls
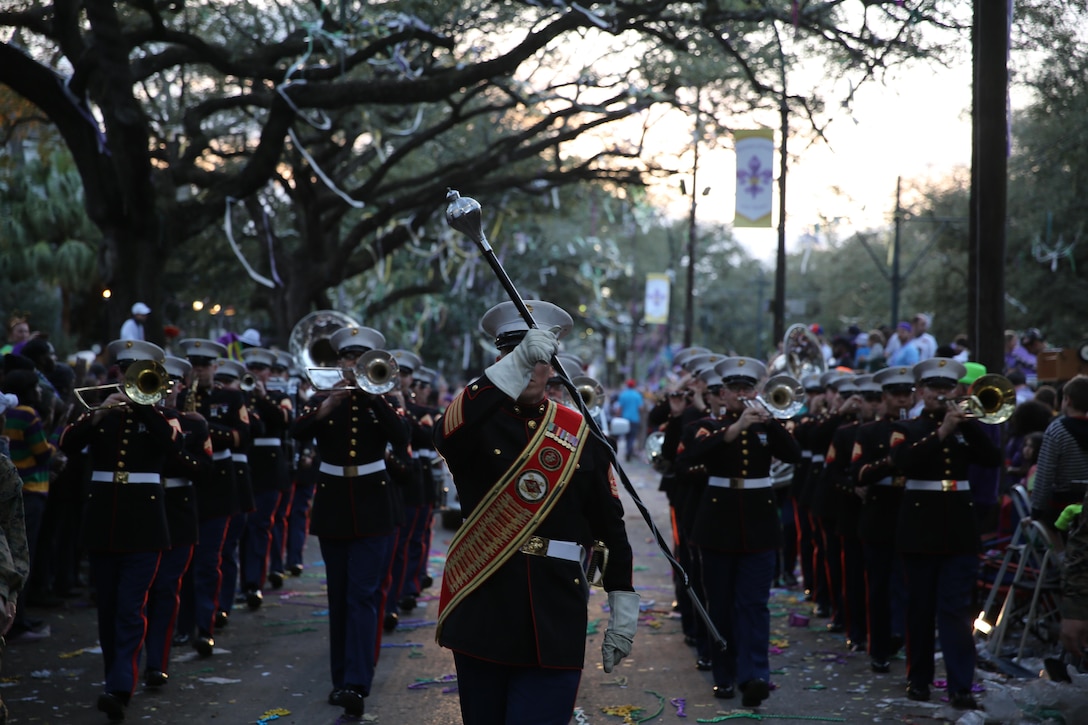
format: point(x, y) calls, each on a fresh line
point(755, 177)
point(657, 299)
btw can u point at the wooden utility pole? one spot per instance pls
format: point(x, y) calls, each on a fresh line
point(989, 182)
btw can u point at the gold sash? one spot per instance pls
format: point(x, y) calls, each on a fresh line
point(513, 508)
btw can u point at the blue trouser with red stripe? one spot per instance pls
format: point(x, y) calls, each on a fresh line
point(122, 582)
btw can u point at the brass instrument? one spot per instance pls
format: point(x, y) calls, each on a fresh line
point(591, 392)
point(191, 401)
point(653, 446)
point(248, 382)
point(991, 399)
point(309, 342)
point(375, 372)
point(801, 354)
point(145, 383)
point(782, 396)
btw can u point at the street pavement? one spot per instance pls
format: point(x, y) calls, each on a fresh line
point(271, 665)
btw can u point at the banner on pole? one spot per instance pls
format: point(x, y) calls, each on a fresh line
point(656, 309)
point(755, 176)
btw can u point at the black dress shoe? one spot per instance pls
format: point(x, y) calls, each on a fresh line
point(918, 692)
point(724, 692)
point(407, 603)
point(222, 619)
point(352, 702)
point(963, 701)
point(204, 644)
point(336, 697)
point(275, 578)
point(426, 581)
point(295, 570)
point(754, 692)
point(254, 599)
point(704, 664)
point(113, 705)
point(390, 622)
point(155, 678)
point(880, 667)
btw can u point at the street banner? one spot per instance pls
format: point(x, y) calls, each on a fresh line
point(656, 309)
point(755, 177)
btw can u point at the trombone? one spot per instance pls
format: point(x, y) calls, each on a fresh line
point(782, 395)
point(375, 372)
point(591, 392)
point(991, 399)
point(146, 382)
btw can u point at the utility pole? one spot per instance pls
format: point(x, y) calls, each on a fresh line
point(689, 299)
point(989, 182)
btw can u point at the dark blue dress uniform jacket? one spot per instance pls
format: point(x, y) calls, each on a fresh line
point(939, 522)
point(728, 519)
point(422, 419)
point(871, 462)
point(193, 463)
point(532, 610)
point(125, 517)
point(838, 481)
point(226, 413)
point(356, 432)
point(269, 466)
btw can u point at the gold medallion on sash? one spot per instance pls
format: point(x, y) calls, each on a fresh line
point(510, 512)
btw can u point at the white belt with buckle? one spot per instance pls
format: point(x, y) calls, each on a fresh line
point(806, 454)
point(363, 469)
point(176, 482)
point(221, 455)
point(239, 457)
point(124, 477)
point(722, 482)
point(425, 453)
point(817, 458)
point(267, 441)
point(914, 484)
point(567, 550)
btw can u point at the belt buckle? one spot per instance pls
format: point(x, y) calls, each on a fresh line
point(351, 471)
point(120, 476)
point(948, 485)
point(536, 545)
point(736, 483)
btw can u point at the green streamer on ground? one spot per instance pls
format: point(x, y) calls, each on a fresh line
point(660, 706)
point(758, 716)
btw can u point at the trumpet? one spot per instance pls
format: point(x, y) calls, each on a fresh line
point(248, 382)
point(782, 396)
point(991, 399)
point(375, 372)
point(653, 446)
point(145, 383)
point(591, 392)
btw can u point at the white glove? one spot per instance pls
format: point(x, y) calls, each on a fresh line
point(621, 628)
point(511, 373)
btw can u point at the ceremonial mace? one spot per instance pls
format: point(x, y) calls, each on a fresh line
point(463, 214)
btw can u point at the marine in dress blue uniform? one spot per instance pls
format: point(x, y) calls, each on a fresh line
point(279, 380)
point(737, 526)
point(178, 473)
point(421, 409)
point(937, 535)
point(125, 528)
point(353, 513)
point(228, 374)
point(882, 483)
point(503, 452)
point(269, 469)
point(217, 494)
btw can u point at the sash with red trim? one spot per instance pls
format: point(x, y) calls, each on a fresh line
point(513, 508)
